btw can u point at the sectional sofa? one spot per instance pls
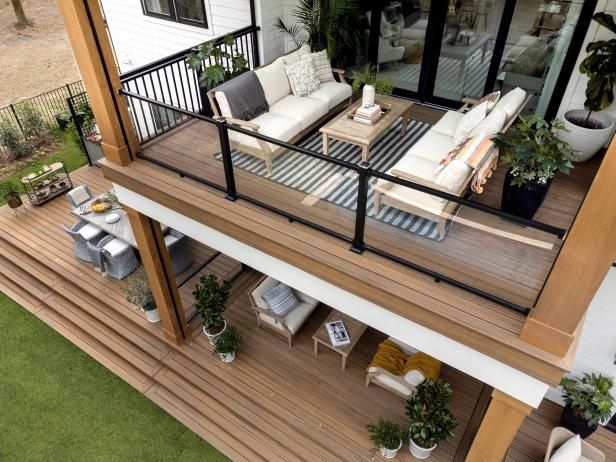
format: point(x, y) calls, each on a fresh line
point(289, 117)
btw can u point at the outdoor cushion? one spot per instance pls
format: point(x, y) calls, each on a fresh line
point(332, 93)
point(302, 77)
point(79, 195)
point(432, 146)
point(415, 378)
point(295, 56)
point(169, 239)
point(448, 123)
point(294, 319)
point(280, 299)
point(470, 120)
point(417, 166)
point(454, 176)
point(273, 79)
point(115, 247)
point(272, 125)
point(511, 102)
point(304, 110)
point(89, 231)
point(570, 451)
point(322, 65)
point(392, 383)
point(492, 124)
point(223, 104)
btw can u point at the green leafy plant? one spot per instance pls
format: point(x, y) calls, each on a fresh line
point(368, 76)
point(600, 67)
point(216, 64)
point(431, 421)
point(227, 342)
point(13, 140)
point(9, 190)
point(533, 151)
point(590, 397)
point(211, 299)
point(138, 291)
point(335, 25)
point(386, 434)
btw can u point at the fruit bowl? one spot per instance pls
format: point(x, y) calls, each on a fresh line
point(100, 205)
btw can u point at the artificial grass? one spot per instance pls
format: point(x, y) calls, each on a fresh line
point(58, 404)
point(69, 152)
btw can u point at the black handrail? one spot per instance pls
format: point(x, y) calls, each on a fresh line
point(180, 55)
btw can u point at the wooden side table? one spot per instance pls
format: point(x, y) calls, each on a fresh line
point(355, 330)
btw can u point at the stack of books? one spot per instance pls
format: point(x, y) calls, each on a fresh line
point(368, 114)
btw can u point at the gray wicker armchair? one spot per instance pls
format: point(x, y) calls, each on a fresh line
point(81, 243)
point(179, 253)
point(121, 264)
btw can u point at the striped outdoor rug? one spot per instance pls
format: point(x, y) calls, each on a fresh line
point(323, 180)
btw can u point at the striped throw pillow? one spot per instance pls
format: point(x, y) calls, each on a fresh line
point(321, 64)
point(281, 299)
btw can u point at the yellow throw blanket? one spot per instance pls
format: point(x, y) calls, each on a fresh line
point(480, 154)
point(392, 359)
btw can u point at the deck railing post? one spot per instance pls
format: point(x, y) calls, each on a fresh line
point(227, 162)
point(362, 204)
point(255, 49)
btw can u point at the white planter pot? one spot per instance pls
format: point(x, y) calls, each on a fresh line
point(390, 453)
point(152, 315)
point(227, 357)
point(212, 338)
point(419, 452)
point(586, 141)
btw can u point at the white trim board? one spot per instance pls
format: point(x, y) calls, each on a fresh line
point(474, 363)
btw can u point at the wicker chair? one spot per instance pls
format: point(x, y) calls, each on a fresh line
point(121, 264)
point(95, 251)
point(179, 253)
point(81, 243)
point(79, 195)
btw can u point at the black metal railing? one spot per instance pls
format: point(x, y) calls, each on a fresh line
point(364, 172)
point(170, 81)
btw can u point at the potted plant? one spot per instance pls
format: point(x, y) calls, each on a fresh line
point(387, 436)
point(137, 291)
point(10, 192)
point(534, 154)
point(431, 421)
point(211, 299)
point(63, 118)
point(227, 343)
point(368, 76)
point(587, 130)
point(588, 401)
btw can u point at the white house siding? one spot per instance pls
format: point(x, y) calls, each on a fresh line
point(139, 39)
point(574, 96)
point(597, 349)
point(272, 42)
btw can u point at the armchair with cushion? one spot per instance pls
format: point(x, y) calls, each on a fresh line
point(559, 437)
point(287, 325)
point(179, 253)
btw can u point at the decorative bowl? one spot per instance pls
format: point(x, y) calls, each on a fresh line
point(100, 205)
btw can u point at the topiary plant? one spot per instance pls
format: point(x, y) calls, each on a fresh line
point(211, 298)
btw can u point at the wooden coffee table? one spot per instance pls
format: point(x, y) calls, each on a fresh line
point(350, 131)
point(354, 328)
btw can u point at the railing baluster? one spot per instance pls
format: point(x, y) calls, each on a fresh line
point(360, 212)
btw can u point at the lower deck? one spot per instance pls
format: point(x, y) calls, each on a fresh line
point(272, 403)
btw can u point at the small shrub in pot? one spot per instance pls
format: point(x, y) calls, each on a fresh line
point(210, 302)
point(138, 291)
point(387, 436)
point(227, 343)
point(10, 192)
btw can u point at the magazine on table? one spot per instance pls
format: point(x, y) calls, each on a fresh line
point(337, 333)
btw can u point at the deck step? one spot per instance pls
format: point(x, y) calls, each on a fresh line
point(12, 270)
point(20, 295)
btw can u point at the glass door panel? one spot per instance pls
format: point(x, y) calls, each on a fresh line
point(466, 50)
point(402, 37)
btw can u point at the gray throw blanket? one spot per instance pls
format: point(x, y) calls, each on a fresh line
point(245, 96)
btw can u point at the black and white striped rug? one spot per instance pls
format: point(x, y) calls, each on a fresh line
point(323, 180)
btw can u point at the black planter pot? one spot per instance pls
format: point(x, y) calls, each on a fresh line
point(574, 423)
point(524, 200)
point(62, 122)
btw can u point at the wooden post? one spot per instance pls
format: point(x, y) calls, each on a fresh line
point(83, 20)
point(498, 428)
point(472, 427)
point(155, 258)
point(584, 260)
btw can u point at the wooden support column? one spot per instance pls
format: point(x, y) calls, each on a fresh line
point(472, 427)
point(155, 258)
point(85, 26)
point(584, 260)
point(498, 428)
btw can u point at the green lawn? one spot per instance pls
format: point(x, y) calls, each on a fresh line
point(58, 404)
point(69, 152)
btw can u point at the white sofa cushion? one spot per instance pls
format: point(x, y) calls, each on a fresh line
point(570, 451)
point(414, 198)
point(295, 56)
point(432, 146)
point(470, 120)
point(448, 123)
point(272, 125)
point(333, 93)
point(304, 110)
point(417, 166)
point(392, 383)
point(322, 65)
point(492, 124)
point(511, 102)
point(294, 319)
point(454, 176)
point(415, 378)
point(273, 79)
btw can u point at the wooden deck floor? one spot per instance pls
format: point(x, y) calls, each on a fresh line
point(474, 251)
point(272, 403)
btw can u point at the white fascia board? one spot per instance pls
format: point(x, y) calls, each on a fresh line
point(501, 376)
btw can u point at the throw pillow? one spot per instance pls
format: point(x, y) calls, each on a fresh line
point(415, 378)
point(281, 299)
point(570, 451)
point(321, 64)
point(293, 57)
point(469, 121)
point(302, 77)
point(492, 124)
point(492, 99)
point(531, 61)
